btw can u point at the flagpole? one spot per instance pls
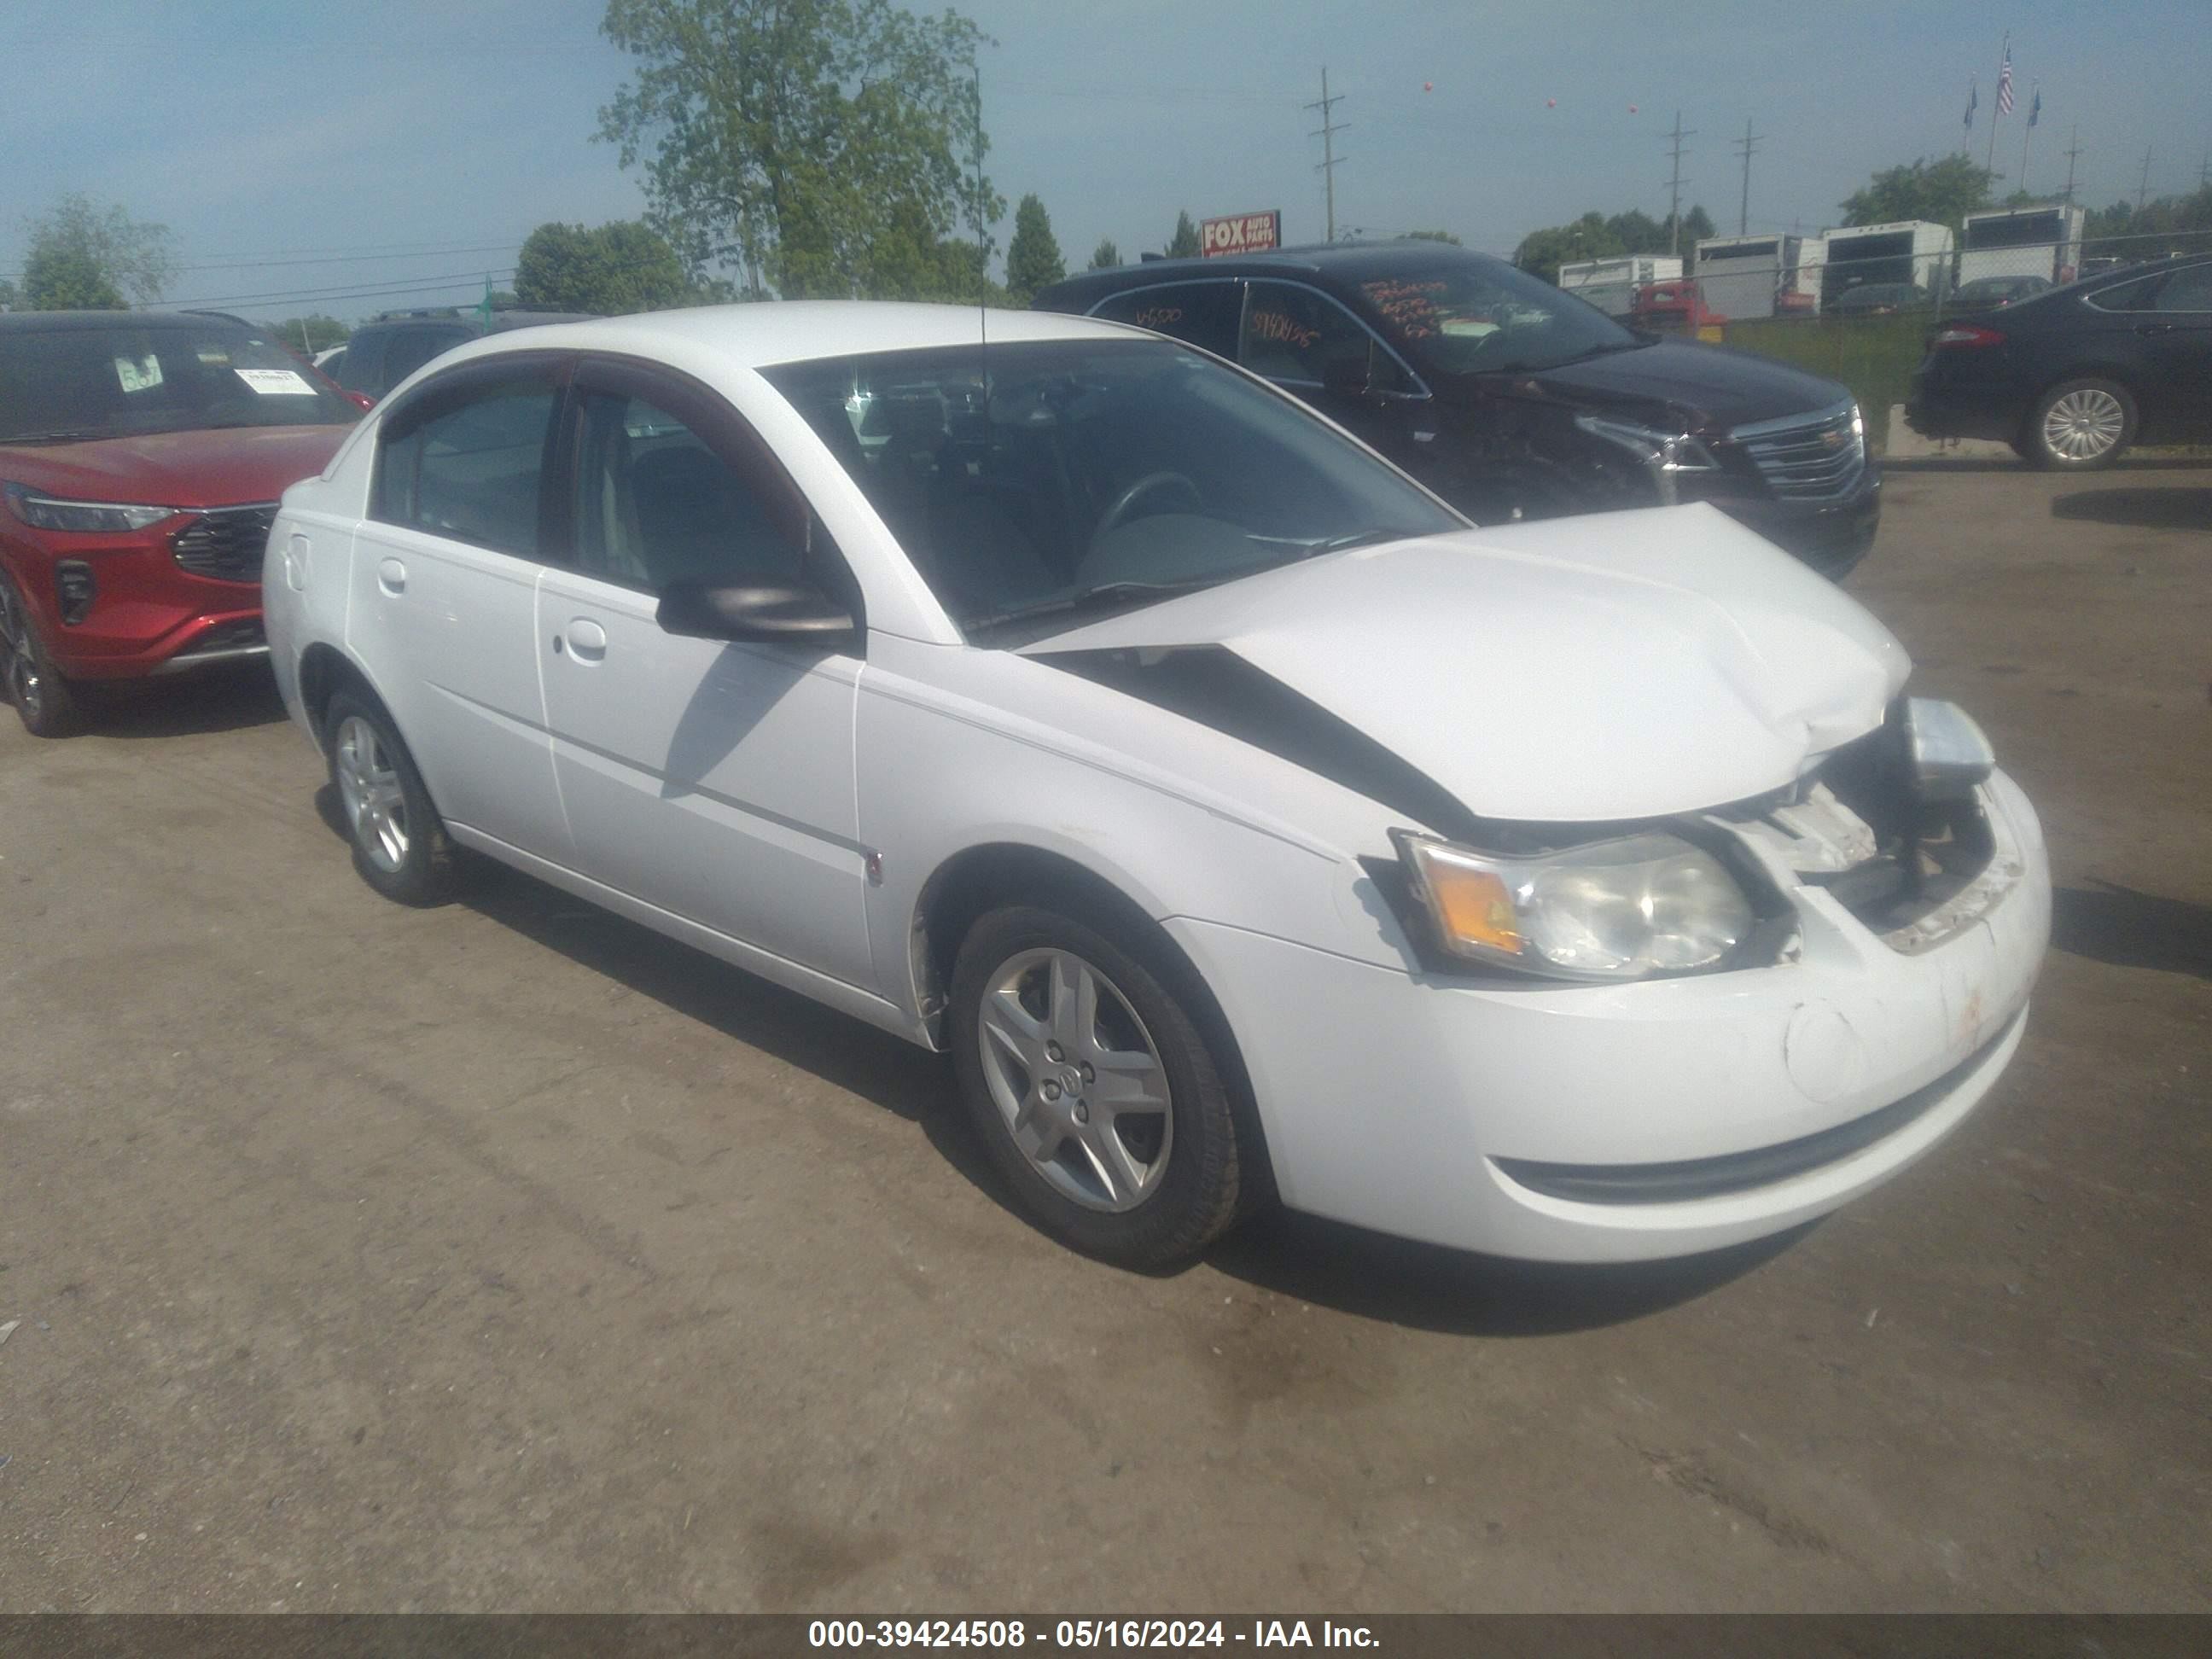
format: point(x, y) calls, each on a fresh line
point(1996, 114)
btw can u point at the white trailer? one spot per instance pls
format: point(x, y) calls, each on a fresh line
point(1905, 250)
point(1744, 277)
point(2043, 239)
point(1611, 284)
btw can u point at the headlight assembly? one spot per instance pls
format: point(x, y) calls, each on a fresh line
point(1621, 909)
point(1666, 455)
point(83, 517)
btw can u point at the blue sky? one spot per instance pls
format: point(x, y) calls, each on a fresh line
point(409, 147)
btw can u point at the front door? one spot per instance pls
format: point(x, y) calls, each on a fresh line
point(2177, 335)
point(443, 608)
point(712, 781)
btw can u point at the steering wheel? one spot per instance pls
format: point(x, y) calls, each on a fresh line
point(1118, 508)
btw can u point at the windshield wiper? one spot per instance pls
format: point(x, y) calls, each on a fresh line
point(1107, 593)
point(72, 436)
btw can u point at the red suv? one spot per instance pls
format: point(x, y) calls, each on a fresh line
point(142, 455)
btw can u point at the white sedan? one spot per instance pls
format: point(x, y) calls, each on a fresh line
point(1244, 823)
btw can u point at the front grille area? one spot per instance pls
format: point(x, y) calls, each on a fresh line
point(226, 543)
point(1817, 458)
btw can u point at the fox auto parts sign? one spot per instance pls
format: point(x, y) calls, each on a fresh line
point(1241, 232)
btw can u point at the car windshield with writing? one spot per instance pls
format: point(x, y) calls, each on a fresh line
point(79, 383)
point(1490, 318)
point(1039, 479)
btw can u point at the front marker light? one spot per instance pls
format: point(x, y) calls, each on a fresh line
point(83, 517)
point(1618, 909)
point(1949, 756)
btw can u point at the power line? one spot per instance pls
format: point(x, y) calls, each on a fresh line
point(2142, 190)
point(1744, 146)
point(1674, 186)
point(351, 258)
point(1327, 133)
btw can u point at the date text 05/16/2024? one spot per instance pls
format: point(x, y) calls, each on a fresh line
point(1085, 1633)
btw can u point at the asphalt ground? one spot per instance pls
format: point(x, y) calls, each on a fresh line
point(506, 1256)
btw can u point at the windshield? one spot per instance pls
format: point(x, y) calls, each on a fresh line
point(125, 379)
point(1083, 473)
point(1480, 318)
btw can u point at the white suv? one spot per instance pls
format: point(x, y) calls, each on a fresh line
point(1243, 822)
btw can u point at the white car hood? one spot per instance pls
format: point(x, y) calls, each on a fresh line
point(1619, 666)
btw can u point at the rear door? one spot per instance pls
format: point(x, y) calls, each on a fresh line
point(712, 780)
point(445, 572)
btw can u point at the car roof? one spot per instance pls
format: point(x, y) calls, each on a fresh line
point(1362, 260)
point(45, 322)
point(758, 334)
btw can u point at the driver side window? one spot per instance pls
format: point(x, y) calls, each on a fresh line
point(1296, 333)
point(655, 504)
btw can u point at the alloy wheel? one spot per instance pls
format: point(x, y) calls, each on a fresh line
point(1078, 1078)
point(369, 787)
point(17, 659)
point(2084, 425)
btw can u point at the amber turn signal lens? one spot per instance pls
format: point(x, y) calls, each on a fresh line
point(1475, 907)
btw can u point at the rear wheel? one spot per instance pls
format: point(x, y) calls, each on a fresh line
point(1092, 1085)
point(400, 842)
point(46, 703)
point(2081, 425)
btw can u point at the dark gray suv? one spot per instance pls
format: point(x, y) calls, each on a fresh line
point(382, 353)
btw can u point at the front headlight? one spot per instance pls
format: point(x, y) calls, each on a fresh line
point(83, 517)
point(1666, 455)
point(1625, 908)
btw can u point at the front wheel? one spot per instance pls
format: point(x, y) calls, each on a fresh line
point(1093, 1087)
point(400, 842)
point(46, 703)
point(2078, 426)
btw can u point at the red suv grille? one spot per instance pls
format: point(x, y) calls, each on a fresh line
point(226, 543)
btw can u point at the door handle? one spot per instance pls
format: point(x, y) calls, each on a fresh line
point(587, 641)
point(2156, 328)
point(392, 576)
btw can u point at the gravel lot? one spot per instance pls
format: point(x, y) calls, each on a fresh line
point(505, 1256)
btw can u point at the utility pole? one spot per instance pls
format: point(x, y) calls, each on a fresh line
point(1749, 141)
point(2073, 149)
point(1675, 187)
point(1327, 133)
point(2205, 172)
point(2142, 189)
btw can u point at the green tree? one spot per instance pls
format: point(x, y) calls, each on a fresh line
point(1697, 225)
point(1033, 260)
point(312, 333)
point(7, 294)
point(1434, 236)
point(1542, 252)
point(67, 279)
point(1184, 244)
point(799, 139)
point(90, 258)
point(1942, 192)
point(612, 268)
point(1105, 256)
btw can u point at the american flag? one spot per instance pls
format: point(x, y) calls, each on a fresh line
point(2004, 83)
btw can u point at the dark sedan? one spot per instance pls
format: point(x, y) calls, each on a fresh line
point(1511, 399)
point(2071, 378)
point(1879, 300)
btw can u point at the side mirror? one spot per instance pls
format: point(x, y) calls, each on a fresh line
point(1348, 377)
point(791, 612)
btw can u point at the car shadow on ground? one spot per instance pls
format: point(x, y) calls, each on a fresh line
point(1322, 1262)
point(1429, 1287)
point(2118, 925)
point(2176, 508)
point(227, 699)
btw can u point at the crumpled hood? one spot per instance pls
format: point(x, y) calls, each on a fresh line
point(1615, 665)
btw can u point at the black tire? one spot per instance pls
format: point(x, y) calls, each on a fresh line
point(46, 703)
point(1206, 1170)
point(2096, 394)
point(419, 867)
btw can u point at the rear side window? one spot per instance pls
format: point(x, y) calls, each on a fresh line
point(1202, 313)
point(470, 468)
point(407, 350)
point(359, 367)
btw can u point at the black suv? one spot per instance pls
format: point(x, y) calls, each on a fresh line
point(1510, 399)
point(381, 353)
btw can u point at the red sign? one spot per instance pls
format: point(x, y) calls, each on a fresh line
point(1241, 232)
